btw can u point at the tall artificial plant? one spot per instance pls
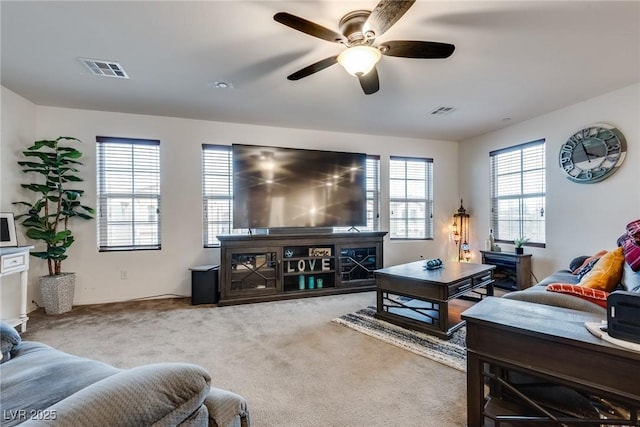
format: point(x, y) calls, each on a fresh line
point(47, 219)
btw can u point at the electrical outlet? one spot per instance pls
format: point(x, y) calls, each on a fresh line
point(123, 275)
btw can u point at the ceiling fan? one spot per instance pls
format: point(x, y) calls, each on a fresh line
point(358, 31)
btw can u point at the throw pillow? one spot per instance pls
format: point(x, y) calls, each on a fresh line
point(587, 268)
point(607, 272)
point(9, 338)
point(577, 262)
point(630, 242)
point(588, 260)
point(632, 253)
point(593, 295)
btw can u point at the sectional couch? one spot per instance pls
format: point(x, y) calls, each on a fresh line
point(588, 281)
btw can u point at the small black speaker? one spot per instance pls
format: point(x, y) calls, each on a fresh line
point(623, 315)
point(204, 284)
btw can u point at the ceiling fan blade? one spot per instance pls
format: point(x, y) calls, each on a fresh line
point(417, 49)
point(385, 14)
point(308, 27)
point(370, 82)
point(314, 68)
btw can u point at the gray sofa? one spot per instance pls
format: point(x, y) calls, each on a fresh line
point(539, 294)
point(46, 386)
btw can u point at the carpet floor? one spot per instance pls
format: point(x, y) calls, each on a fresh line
point(295, 367)
point(452, 353)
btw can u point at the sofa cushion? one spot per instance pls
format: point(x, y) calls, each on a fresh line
point(9, 339)
point(561, 276)
point(593, 295)
point(607, 272)
point(630, 279)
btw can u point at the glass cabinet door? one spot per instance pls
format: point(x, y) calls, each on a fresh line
point(254, 272)
point(358, 264)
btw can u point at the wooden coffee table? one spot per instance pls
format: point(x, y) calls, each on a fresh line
point(410, 296)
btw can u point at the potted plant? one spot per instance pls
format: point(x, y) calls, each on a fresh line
point(47, 218)
point(519, 243)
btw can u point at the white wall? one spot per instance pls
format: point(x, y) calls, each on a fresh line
point(152, 273)
point(580, 218)
point(17, 126)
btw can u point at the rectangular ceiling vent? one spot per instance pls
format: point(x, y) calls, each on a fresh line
point(104, 68)
point(442, 111)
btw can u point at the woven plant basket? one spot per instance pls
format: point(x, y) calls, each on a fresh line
point(57, 292)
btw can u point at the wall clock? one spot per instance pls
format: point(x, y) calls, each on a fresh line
point(593, 153)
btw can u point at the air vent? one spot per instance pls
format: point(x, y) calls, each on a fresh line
point(104, 68)
point(442, 111)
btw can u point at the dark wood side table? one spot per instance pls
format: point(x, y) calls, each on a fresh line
point(513, 271)
point(549, 343)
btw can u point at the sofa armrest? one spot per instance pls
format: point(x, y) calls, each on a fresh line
point(163, 394)
point(539, 295)
point(227, 409)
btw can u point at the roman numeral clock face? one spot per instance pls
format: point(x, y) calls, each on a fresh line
point(593, 153)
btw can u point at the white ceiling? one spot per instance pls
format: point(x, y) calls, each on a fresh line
point(514, 60)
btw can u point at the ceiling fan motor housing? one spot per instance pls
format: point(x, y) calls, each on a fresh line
point(351, 27)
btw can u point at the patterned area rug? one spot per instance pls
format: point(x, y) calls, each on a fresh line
point(451, 353)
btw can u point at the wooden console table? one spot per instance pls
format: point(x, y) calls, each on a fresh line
point(16, 260)
point(551, 345)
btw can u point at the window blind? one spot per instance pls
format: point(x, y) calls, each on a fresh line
point(518, 192)
point(217, 193)
point(128, 193)
point(373, 195)
point(411, 198)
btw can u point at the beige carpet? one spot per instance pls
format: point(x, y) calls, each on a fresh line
point(294, 366)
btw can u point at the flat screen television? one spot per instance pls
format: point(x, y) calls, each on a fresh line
point(277, 187)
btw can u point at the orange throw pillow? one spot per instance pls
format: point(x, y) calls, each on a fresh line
point(607, 272)
point(592, 295)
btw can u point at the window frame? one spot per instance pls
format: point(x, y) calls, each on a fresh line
point(494, 215)
point(103, 196)
point(427, 200)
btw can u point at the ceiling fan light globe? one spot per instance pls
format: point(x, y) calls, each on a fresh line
point(359, 60)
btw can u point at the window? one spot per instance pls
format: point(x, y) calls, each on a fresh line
point(217, 193)
point(411, 198)
point(518, 191)
point(373, 196)
point(128, 194)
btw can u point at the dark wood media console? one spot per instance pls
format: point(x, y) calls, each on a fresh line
point(270, 267)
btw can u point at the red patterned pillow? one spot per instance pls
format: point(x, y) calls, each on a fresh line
point(595, 296)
